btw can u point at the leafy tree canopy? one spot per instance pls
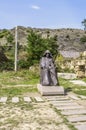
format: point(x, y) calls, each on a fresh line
point(84, 24)
point(37, 46)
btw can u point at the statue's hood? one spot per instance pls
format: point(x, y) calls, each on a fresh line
point(47, 51)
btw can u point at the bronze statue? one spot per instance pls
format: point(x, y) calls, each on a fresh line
point(48, 73)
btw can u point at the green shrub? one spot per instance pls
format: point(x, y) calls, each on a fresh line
point(4, 33)
point(9, 65)
point(83, 39)
point(10, 38)
point(23, 64)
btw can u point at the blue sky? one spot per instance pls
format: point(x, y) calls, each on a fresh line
point(42, 13)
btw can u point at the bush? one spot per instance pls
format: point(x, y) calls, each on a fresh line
point(83, 39)
point(4, 33)
point(67, 36)
point(9, 65)
point(23, 64)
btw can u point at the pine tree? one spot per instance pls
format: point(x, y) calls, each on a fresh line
point(37, 46)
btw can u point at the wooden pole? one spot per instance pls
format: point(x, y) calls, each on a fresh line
point(16, 49)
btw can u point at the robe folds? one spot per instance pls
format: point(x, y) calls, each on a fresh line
point(48, 73)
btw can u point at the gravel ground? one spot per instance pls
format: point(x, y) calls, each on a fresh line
point(30, 116)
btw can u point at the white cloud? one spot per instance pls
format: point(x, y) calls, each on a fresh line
point(35, 7)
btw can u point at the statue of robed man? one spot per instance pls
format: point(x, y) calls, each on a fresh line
point(48, 72)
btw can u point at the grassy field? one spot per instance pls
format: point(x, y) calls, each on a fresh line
point(18, 83)
point(78, 89)
point(20, 77)
point(29, 115)
point(25, 81)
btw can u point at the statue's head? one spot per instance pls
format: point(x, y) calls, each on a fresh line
point(47, 53)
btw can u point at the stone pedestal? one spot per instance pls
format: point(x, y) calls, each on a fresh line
point(50, 90)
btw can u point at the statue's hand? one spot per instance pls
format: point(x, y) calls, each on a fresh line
point(42, 67)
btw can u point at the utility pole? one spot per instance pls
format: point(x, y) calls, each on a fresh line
point(16, 49)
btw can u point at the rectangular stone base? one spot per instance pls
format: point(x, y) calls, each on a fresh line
point(50, 90)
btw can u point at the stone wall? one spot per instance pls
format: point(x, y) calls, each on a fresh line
point(77, 65)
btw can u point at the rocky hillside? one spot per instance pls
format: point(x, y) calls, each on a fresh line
point(67, 39)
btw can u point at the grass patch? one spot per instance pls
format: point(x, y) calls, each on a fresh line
point(78, 89)
point(12, 121)
point(23, 106)
point(26, 77)
point(13, 91)
point(19, 77)
point(80, 92)
point(12, 83)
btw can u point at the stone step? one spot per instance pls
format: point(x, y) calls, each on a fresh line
point(69, 107)
point(81, 127)
point(78, 82)
point(15, 99)
point(82, 97)
point(27, 99)
point(3, 99)
point(67, 101)
point(74, 112)
point(38, 99)
point(64, 104)
point(74, 97)
point(61, 96)
point(77, 119)
point(58, 99)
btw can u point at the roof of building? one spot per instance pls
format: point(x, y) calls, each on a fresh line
point(70, 54)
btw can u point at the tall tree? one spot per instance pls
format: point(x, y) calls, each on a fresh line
point(37, 45)
point(84, 24)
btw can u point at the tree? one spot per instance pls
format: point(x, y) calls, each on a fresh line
point(10, 38)
point(84, 24)
point(37, 45)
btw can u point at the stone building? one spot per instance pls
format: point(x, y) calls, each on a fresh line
point(75, 61)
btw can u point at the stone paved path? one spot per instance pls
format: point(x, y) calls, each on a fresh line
point(29, 113)
point(78, 82)
point(17, 99)
point(71, 108)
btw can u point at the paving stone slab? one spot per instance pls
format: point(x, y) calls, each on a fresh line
point(67, 75)
point(74, 112)
point(69, 107)
point(57, 99)
point(65, 104)
point(39, 99)
point(83, 97)
point(54, 96)
point(27, 99)
point(3, 99)
point(74, 97)
point(15, 99)
point(81, 127)
point(61, 101)
point(77, 119)
point(79, 82)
